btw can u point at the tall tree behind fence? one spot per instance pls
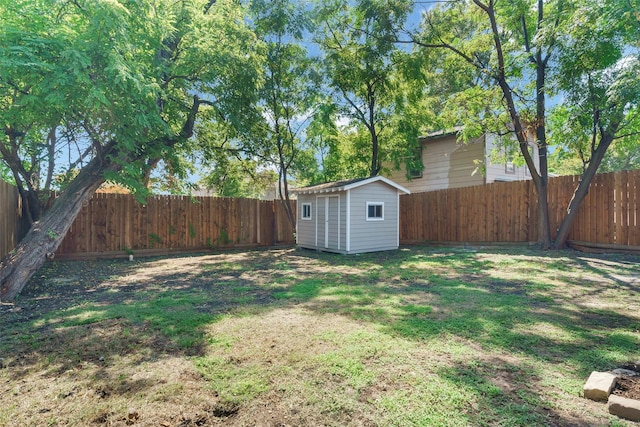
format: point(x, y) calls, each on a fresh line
point(117, 223)
point(507, 212)
point(12, 224)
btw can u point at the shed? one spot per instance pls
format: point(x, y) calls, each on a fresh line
point(354, 216)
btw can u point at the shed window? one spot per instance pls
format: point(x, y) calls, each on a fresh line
point(306, 211)
point(375, 211)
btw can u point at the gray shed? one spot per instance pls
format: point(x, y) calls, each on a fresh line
point(355, 216)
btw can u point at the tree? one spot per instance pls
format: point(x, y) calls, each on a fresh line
point(362, 64)
point(516, 55)
point(128, 79)
point(233, 177)
point(622, 155)
point(599, 71)
point(273, 137)
point(31, 127)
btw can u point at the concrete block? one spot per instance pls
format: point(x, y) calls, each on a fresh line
point(624, 407)
point(599, 385)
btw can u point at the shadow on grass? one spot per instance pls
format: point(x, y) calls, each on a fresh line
point(92, 312)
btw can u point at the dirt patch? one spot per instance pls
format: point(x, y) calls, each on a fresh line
point(628, 385)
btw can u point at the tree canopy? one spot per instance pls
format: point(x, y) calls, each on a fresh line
point(363, 66)
point(120, 84)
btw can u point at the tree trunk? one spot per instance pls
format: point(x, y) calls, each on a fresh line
point(375, 143)
point(540, 178)
point(45, 236)
point(581, 191)
point(375, 154)
point(286, 200)
point(544, 225)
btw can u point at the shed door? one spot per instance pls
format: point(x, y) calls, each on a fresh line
point(328, 217)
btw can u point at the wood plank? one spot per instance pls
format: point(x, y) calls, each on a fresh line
point(596, 211)
point(588, 231)
point(427, 215)
point(93, 226)
point(634, 208)
point(620, 204)
point(523, 209)
point(610, 207)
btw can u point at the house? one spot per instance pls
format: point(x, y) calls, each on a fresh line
point(354, 216)
point(449, 163)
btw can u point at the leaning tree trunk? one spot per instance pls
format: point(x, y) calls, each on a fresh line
point(581, 191)
point(45, 235)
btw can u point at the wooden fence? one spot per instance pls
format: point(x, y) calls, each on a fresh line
point(118, 224)
point(11, 220)
point(115, 224)
point(507, 212)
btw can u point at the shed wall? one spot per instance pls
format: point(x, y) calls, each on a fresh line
point(306, 232)
point(367, 236)
point(316, 233)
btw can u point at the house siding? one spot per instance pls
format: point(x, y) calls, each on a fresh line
point(497, 172)
point(369, 236)
point(452, 164)
point(466, 164)
point(447, 164)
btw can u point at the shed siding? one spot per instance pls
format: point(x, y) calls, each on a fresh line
point(311, 234)
point(333, 223)
point(321, 231)
point(373, 235)
point(306, 234)
point(339, 220)
point(343, 221)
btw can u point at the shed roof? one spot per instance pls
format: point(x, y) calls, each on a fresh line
point(331, 187)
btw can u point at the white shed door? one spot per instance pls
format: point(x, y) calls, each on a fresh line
point(328, 222)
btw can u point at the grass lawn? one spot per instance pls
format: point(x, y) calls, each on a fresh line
point(422, 336)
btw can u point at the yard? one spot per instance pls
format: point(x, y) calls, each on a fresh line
point(421, 336)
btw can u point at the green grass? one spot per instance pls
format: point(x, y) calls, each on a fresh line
point(420, 336)
point(234, 384)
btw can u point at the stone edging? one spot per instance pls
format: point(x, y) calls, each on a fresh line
point(599, 386)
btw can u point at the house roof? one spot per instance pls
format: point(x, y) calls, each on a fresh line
point(332, 187)
point(441, 133)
